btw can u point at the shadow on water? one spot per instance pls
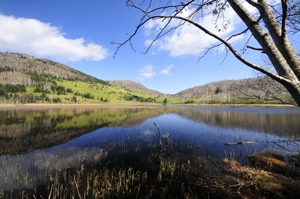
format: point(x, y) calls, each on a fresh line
point(41, 148)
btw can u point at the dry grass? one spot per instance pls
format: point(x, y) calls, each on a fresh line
point(268, 181)
point(272, 162)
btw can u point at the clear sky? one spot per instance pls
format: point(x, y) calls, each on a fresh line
point(80, 34)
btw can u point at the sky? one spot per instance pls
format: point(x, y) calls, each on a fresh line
point(80, 34)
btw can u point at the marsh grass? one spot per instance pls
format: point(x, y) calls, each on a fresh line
point(261, 182)
point(273, 162)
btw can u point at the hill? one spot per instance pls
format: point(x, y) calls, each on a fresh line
point(26, 79)
point(259, 90)
point(137, 87)
point(21, 69)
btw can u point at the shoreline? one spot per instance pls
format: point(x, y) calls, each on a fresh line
point(45, 106)
point(244, 105)
point(112, 105)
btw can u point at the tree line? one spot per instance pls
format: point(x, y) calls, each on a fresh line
point(10, 88)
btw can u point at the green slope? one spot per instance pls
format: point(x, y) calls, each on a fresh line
point(26, 79)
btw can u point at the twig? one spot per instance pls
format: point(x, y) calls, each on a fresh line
point(158, 132)
point(281, 146)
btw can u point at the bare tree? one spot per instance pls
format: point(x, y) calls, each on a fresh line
point(270, 24)
point(260, 89)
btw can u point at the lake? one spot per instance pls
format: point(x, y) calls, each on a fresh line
point(40, 146)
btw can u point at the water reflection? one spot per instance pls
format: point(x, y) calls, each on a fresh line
point(49, 141)
point(279, 121)
point(26, 130)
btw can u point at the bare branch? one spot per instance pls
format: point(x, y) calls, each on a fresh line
point(147, 17)
point(207, 51)
point(234, 52)
point(261, 88)
point(253, 48)
point(270, 33)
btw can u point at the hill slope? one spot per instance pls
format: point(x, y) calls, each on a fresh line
point(26, 79)
point(250, 90)
point(20, 69)
point(137, 87)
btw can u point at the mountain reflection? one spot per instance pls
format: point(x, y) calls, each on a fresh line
point(22, 131)
point(26, 130)
point(38, 144)
point(281, 124)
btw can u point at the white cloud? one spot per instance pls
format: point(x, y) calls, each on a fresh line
point(167, 70)
point(34, 37)
point(147, 72)
point(189, 40)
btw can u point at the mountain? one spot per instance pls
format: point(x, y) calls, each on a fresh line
point(26, 79)
point(247, 91)
point(207, 89)
point(134, 86)
point(19, 68)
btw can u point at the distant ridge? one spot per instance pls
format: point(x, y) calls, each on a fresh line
point(134, 86)
point(46, 82)
point(207, 89)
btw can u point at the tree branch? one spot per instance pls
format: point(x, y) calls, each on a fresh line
point(234, 52)
point(253, 48)
point(147, 17)
point(284, 18)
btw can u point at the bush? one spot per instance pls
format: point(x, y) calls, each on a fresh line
point(69, 90)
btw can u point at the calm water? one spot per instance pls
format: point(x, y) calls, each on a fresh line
point(34, 142)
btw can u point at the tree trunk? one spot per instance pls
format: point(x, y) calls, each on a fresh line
point(280, 53)
point(280, 39)
point(294, 89)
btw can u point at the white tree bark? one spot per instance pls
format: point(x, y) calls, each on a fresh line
point(278, 48)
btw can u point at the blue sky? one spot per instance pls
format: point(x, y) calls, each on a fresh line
point(79, 34)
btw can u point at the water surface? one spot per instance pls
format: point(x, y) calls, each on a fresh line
point(36, 142)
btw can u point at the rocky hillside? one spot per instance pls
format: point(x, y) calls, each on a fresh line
point(18, 68)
